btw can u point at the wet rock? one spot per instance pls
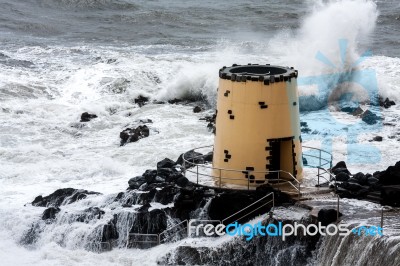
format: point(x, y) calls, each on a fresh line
point(197, 109)
point(166, 194)
point(182, 181)
point(304, 128)
point(327, 216)
point(90, 214)
point(136, 182)
point(110, 231)
point(361, 178)
point(370, 118)
point(144, 208)
point(174, 101)
point(141, 100)
point(50, 213)
point(165, 163)
point(132, 135)
point(358, 111)
point(208, 157)
point(386, 103)
point(173, 177)
point(211, 122)
point(62, 197)
point(158, 222)
point(305, 162)
point(390, 196)
point(372, 180)
point(353, 187)
point(191, 156)
point(377, 138)
point(352, 180)
point(391, 176)
point(86, 117)
point(218, 207)
point(342, 176)
point(340, 167)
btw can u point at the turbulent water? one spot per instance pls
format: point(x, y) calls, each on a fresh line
point(61, 58)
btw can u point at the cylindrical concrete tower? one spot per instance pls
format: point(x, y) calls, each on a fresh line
point(257, 125)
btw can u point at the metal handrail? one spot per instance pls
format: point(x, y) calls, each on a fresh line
point(323, 162)
point(273, 205)
point(169, 229)
point(185, 161)
point(158, 236)
point(144, 241)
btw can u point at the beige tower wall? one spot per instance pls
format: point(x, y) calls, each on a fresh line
point(257, 129)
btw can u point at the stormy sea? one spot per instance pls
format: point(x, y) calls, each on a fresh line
point(150, 64)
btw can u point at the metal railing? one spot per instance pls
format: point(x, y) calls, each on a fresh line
point(324, 163)
point(192, 162)
point(250, 212)
point(156, 239)
point(163, 237)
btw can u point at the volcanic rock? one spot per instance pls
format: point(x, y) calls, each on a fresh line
point(86, 117)
point(62, 197)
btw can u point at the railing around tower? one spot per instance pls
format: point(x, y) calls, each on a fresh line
point(322, 161)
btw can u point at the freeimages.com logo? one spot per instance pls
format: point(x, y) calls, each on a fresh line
point(347, 86)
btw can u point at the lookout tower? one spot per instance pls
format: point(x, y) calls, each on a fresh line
point(257, 126)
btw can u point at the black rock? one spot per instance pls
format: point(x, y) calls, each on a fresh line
point(353, 180)
point(327, 216)
point(50, 213)
point(166, 194)
point(348, 109)
point(391, 176)
point(386, 103)
point(110, 231)
point(342, 176)
point(136, 182)
point(390, 196)
point(362, 179)
point(173, 177)
point(86, 117)
point(305, 162)
point(208, 157)
point(132, 135)
point(182, 181)
point(340, 167)
point(62, 197)
point(370, 118)
point(141, 100)
point(354, 187)
point(372, 180)
point(377, 138)
point(191, 156)
point(90, 214)
point(174, 101)
point(303, 124)
point(144, 208)
point(165, 163)
point(358, 111)
point(197, 109)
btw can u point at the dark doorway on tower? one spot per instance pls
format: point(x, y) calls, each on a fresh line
point(281, 157)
